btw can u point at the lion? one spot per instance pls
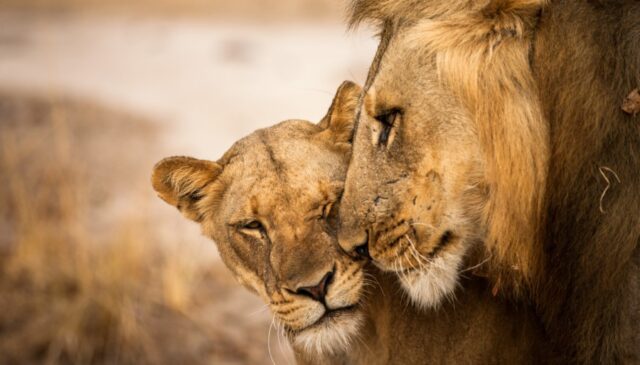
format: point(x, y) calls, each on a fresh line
point(270, 204)
point(497, 124)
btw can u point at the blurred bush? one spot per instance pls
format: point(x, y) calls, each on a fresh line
point(76, 288)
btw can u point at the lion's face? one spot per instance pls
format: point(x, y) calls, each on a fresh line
point(270, 204)
point(414, 190)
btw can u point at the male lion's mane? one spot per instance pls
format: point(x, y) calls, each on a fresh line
point(482, 54)
point(544, 81)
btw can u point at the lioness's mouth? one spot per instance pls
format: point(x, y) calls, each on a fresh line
point(336, 313)
point(332, 316)
point(332, 333)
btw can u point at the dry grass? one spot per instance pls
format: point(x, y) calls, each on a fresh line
point(81, 286)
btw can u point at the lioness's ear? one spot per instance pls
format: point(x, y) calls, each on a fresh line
point(180, 181)
point(340, 118)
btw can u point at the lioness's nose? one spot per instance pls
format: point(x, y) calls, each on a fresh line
point(319, 291)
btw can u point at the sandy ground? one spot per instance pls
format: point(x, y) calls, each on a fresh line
point(203, 84)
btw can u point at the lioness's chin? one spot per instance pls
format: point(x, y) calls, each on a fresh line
point(332, 334)
point(436, 281)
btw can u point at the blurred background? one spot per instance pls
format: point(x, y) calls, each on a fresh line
point(94, 269)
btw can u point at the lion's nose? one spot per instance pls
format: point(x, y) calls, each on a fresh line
point(319, 291)
point(358, 247)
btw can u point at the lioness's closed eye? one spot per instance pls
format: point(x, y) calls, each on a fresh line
point(268, 204)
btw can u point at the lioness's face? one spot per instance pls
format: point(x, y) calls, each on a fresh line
point(270, 204)
point(414, 188)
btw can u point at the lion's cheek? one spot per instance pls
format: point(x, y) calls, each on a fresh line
point(424, 204)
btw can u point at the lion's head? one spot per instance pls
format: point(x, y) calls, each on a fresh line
point(449, 147)
point(270, 204)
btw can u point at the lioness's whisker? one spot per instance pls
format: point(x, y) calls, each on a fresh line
point(280, 334)
point(269, 339)
point(358, 337)
point(374, 280)
point(262, 309)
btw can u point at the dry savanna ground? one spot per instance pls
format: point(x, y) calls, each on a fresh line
point(80, 285)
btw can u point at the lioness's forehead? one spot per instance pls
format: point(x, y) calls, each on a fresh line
point(288, 158)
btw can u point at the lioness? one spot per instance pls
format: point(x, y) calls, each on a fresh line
point(500, 121)
point(270, 205)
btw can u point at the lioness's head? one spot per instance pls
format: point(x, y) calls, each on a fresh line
point(449, 148)
point(270, 204)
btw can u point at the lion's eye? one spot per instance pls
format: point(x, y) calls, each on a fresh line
point(387, 120)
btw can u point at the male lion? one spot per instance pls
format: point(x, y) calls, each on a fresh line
point(270, 206)
point(499, 121)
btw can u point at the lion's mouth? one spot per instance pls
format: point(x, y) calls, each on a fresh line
point(406, 247)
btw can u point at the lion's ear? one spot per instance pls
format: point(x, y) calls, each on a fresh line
point(180, 182)
point(340, 118)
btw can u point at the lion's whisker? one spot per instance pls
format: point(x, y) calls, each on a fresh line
point(408, 259)
point(402, 272)
point(416, 253)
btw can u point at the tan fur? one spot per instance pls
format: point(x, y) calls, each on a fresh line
point(290, 200)
point(505, 109)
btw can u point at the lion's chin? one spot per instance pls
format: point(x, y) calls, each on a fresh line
point(331, 334)
point(428, 286)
